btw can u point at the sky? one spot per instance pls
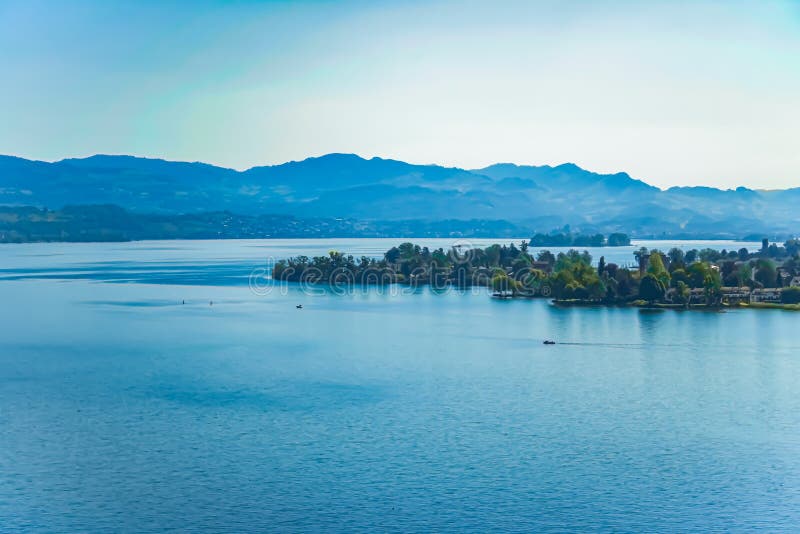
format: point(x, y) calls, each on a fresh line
point(672, 92)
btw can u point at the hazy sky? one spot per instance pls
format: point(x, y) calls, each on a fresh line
point(701, 93)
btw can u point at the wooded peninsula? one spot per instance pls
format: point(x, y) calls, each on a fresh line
point(708, 278)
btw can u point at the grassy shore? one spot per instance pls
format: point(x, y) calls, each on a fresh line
point(771, 306)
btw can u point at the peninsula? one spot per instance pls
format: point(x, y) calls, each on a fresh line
point(768, 277)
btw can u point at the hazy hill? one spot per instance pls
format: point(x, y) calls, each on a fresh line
point(348, 186)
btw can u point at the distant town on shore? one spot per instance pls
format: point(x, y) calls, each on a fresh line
point(109, 223)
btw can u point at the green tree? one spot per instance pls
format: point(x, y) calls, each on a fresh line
point(392, 255)
point(744, 275)
point(626, 284)
point(572, 260)
point(595, 288)
point(677, 259)
point(683, 293)
point(562, 280)
point(712, 288)
point(408, 250)
point(679, 275)
point(766, 274)
point(503, 283)
point(791, 295)
point(545, 256)
point(650, 288)
point(709, 255)
point(697, 272)
point(641, 256)
point(657, 269)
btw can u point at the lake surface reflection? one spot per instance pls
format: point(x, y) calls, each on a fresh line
point(145, 387)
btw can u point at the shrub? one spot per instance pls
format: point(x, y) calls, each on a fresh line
point(791, 295)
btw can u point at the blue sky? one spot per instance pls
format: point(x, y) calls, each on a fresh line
point(675, 93)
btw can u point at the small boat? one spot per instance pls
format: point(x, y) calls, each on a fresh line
point(549, 342)
point(299, 306)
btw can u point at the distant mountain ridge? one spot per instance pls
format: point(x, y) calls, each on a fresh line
point(349, 186)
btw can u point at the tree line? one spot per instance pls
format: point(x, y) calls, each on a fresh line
point(513, 270)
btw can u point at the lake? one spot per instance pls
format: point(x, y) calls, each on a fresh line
point(146, 387)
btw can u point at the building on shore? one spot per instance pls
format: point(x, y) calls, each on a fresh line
point(735, 295)
point(772, 295)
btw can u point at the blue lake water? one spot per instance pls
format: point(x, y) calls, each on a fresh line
point(124, 409)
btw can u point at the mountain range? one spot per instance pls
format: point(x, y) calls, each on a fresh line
point(539, 198)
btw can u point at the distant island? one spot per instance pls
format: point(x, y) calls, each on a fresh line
point(769, 277)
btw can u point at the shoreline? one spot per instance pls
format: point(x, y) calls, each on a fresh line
point(657, 306)
point(635, 241)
